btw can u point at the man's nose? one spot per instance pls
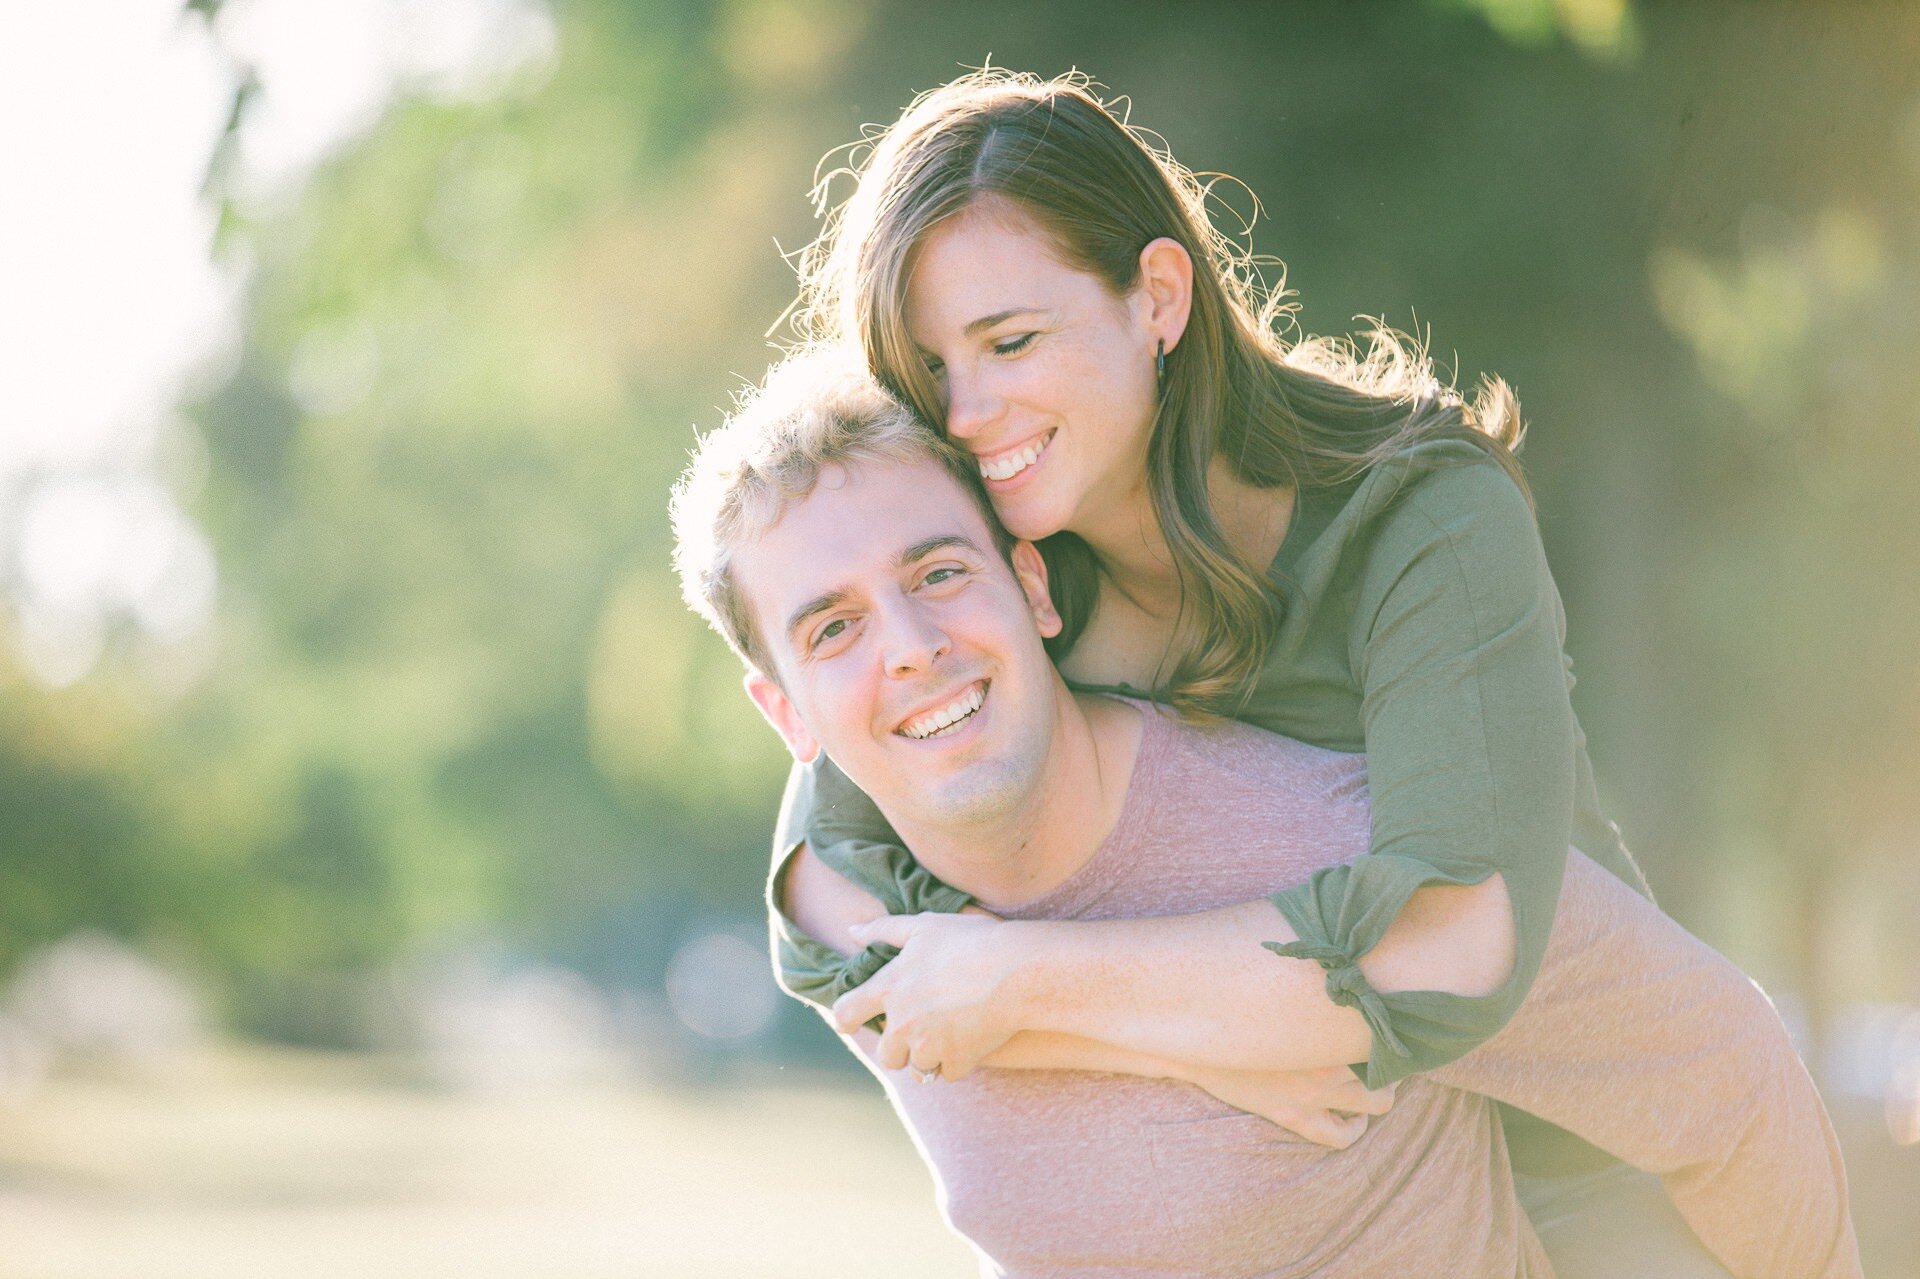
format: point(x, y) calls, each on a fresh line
point(914, 640)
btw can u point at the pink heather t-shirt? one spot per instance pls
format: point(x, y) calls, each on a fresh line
point(1075, 1173)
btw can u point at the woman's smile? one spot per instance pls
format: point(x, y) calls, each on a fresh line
point(1003, 470)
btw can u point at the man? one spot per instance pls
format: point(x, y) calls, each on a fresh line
point(852, 561)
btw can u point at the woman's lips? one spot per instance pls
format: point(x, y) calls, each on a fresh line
point(1009, 464)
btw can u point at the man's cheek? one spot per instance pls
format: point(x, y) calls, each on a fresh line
point(843, 708)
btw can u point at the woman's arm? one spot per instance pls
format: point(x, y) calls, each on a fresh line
point(825, 812)
point(1455, 639)
point(1329, 1107)
point(1197, 988)
point(1206, 994)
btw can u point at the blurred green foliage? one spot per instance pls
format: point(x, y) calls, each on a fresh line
point(456, 695)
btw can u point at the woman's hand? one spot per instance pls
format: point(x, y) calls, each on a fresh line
point(950, 1000)
point(1329, 1107)
point(945, 996)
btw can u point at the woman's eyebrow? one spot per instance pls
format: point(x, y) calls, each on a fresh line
point(988, 321)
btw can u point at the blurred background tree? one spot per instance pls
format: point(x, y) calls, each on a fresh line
point(350, 666)
point(447, 691)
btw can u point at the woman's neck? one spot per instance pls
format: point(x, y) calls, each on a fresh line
point(1132, 547)
point(1254, 519)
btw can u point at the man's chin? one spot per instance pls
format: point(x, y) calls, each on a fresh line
point(966, 796)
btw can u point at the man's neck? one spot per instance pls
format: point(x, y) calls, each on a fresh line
point(1068, 815)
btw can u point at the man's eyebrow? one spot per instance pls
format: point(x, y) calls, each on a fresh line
point(988, 321)
point(927, 546)
point(918, 551)
point(818, 604)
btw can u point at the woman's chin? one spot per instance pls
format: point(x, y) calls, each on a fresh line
point(1029, 519)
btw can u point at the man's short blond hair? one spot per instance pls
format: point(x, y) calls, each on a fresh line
point(817, 408)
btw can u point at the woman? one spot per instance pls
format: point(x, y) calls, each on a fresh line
point(1331, 545)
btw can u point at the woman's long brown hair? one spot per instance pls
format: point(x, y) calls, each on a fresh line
point(1303, 413)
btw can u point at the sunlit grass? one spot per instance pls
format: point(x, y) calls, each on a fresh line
point(255, 1163)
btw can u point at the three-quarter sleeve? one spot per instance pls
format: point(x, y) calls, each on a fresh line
point(1455, 642)
point(833, 817)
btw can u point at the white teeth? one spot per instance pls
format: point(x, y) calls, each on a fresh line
point(1010, 465)
point(947, 716)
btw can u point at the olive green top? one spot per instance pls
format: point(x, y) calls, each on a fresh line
point(1420, 625)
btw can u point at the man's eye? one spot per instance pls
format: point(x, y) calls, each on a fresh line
point(940, 575)
point(832, 630)
point(1013, 346)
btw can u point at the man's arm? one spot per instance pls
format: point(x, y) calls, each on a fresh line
point(1329, 1107)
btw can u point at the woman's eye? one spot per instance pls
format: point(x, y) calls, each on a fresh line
point(1014, 345)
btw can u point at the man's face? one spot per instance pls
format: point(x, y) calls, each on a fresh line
point(904, 644)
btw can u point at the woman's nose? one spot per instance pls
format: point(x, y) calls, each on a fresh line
point(972, 406)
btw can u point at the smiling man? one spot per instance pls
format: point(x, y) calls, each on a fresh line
point(887, 622)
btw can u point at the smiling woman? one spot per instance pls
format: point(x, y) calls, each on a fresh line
point(1050, 460)
point(1014, 260)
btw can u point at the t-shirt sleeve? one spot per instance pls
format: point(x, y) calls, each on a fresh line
point(1640, 1038)
point(1456, 644)
point(826, 811)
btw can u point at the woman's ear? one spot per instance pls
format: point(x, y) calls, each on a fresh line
point(1166, 283)
point(778, 708)
point(1031, 572)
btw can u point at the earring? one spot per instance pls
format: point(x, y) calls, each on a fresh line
point(1160, 363)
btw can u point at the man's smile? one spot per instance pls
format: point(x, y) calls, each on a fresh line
point(945, 717)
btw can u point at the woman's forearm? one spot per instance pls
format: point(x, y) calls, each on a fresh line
point(1327, 1107)
point(1195, 988)
point(1200, 989)
point(1052, 1050)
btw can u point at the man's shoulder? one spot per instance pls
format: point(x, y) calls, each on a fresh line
point(1233, 749)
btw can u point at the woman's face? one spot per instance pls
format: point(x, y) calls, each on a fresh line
point(1047, 377)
